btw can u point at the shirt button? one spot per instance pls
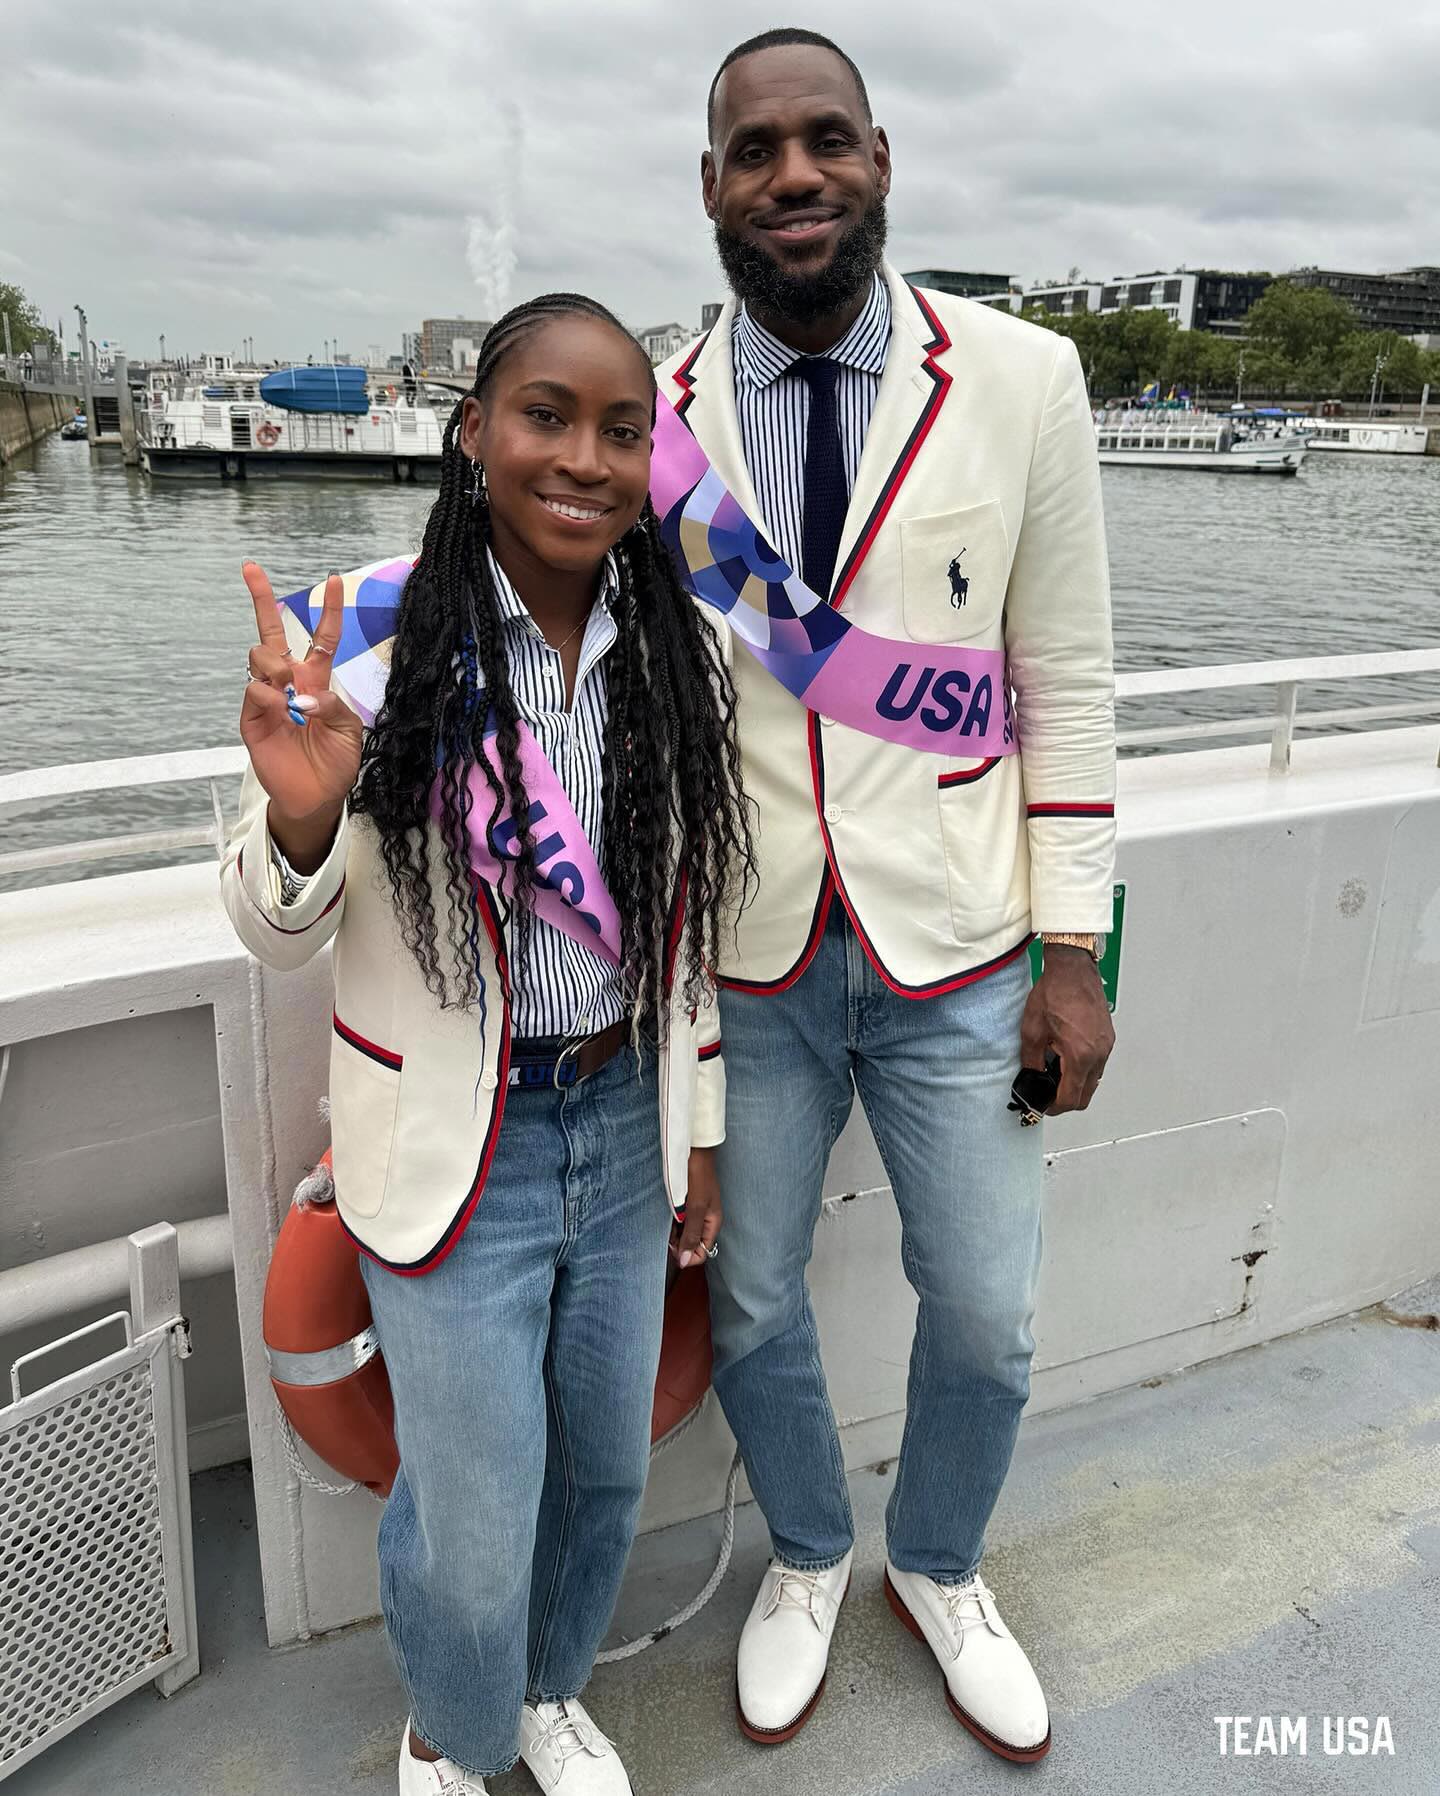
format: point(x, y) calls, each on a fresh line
point(488, 1080)
point(832, 813)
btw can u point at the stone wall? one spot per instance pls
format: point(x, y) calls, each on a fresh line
point(26, 416)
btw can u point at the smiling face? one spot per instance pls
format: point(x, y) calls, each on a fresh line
point(563, 433)
point(795, 181)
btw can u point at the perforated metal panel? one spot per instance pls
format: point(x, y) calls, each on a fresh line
point(95, 1596)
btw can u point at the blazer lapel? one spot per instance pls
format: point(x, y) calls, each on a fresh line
point(707, 404)
point(912, 390)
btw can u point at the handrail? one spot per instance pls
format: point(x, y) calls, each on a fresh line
point(1287, 677)
point(39, 784)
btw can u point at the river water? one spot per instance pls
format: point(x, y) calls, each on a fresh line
point(124, 624)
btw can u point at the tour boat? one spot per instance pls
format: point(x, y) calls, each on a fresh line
point(293, 424)
point(1197, 440)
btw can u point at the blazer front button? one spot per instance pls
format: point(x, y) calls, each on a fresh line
point(827, 721)
point(832, 813)
point(488, 1080)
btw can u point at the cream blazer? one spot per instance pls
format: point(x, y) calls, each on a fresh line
point(416, 1101)
point(981, 451)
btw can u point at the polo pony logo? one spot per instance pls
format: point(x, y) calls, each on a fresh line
point(959, 585)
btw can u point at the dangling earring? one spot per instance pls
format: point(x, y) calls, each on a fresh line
point(479, 492)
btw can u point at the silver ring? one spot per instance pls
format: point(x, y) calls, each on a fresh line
point(712, 1252)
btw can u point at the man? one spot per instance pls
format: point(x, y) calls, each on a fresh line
point(883, 438)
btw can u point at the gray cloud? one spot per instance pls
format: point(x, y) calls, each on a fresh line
point(300, 169)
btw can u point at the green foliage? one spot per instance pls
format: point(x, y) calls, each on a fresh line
point(1300, 342)
point(27, 329)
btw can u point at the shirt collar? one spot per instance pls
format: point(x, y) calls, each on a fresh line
point(514, 610)
point(761, 358)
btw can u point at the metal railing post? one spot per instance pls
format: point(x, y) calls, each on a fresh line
point(1286, 695)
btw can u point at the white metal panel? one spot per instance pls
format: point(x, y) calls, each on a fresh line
point(1154, 1234)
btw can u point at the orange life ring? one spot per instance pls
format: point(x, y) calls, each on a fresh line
point(268, 435)
point(325, 1359)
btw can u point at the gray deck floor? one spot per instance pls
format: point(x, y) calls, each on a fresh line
point(1260, 1536)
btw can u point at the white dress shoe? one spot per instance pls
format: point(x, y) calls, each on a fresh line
point(990, 1685)
point(565, 1751)
point(784, 1648)
point(421, 1777)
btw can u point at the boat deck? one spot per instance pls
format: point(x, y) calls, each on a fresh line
point(1257, 1536)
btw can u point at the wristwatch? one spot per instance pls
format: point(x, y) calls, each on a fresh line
point(1094, 945)
point(292, 884)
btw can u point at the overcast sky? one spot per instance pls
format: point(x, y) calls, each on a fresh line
point(302, 169)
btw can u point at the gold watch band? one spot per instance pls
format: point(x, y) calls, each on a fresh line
point(1064, 938)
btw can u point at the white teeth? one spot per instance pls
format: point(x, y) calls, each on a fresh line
point(581, 514)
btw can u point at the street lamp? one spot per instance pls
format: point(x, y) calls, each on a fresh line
point(162, 347)
point(1380, 361)
point(1240, 379)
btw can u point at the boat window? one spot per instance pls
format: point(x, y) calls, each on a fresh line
point(1130, 442)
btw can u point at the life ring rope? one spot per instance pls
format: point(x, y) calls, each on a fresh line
point(268, 435)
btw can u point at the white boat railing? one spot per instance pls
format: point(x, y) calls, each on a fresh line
point(43, 785)
point(1286, 678)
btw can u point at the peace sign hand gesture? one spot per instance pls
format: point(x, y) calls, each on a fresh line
point(307, 768)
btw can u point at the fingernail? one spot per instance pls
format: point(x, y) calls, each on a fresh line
point(290, 693)
point(686, 1257)
point(304, 702)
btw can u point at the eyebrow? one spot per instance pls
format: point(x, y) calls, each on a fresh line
point(767, 127)
point(555, 389)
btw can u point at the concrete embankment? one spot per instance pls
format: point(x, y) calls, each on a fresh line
point(26, 416)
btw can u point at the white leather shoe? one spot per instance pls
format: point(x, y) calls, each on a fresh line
point(784, 1648)
point(565, 1751)
point(990, 1685)
point(419, 1777)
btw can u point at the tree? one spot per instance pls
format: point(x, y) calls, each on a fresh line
point(26, 326)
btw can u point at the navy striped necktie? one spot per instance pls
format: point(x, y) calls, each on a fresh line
point(827, 497)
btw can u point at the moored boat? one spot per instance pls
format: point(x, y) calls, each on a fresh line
point(1187, 439)
point(1366, 436)
point(295, 423)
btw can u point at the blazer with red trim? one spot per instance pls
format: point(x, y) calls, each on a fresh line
point(416, 1102)
point(981, 452)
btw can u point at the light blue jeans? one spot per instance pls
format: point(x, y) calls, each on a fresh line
point(523, 1369)
point(934, 1077)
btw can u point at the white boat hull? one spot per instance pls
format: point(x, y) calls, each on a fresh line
point(1373, 439)
point(1284, 459)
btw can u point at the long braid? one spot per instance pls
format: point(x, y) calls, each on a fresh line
point(671, 773)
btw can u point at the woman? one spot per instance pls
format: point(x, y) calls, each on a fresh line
point(485, 1043)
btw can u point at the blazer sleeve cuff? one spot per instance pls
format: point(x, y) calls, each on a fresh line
point(260, 879)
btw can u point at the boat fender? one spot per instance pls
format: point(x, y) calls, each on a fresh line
point(325, 1361)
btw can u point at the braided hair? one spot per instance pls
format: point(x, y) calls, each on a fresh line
point(675, 815)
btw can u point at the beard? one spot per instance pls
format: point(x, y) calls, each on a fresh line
point(757, 278)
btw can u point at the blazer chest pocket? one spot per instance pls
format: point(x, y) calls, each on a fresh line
point(954, 569)
point(364, 1100)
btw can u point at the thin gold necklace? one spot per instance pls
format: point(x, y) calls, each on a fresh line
point(557, 646)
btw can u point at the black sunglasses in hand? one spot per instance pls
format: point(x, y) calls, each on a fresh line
point(1034, 1090)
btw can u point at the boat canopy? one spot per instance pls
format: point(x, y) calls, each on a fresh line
point(336, 389)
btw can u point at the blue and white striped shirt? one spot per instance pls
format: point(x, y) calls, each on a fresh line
point(563, 988)
point(773, 404)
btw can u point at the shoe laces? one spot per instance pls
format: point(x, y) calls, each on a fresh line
point(567, 1735)
point(975, 1592)
point(798, 1590)
point(455, 1782)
